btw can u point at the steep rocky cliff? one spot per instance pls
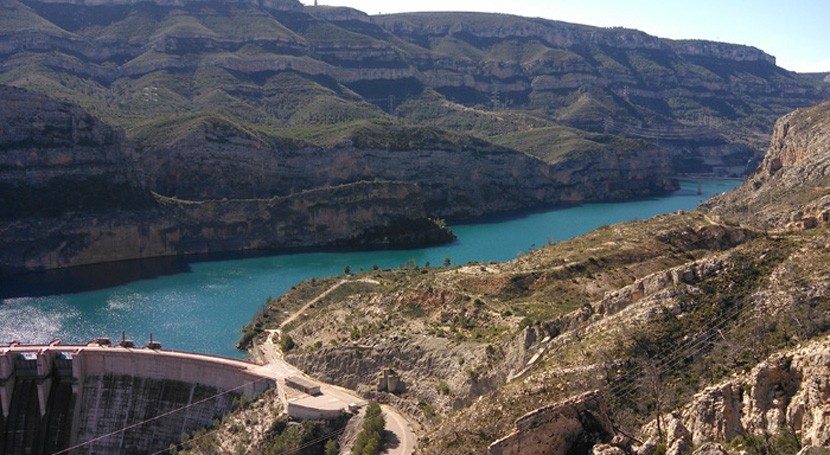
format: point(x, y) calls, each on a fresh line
point(264, 66)
point(72, 193)
point(785, 394)
point(792, 185)
point(371, 213)
point(56, 158)
point(459, 176)
point(573, 426)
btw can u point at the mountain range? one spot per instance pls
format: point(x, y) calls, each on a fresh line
point(226, 103)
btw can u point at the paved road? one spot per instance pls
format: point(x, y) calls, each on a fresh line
point(399, 426)
point(395, 422)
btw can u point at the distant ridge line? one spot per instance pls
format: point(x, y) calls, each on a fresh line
point(278, 5)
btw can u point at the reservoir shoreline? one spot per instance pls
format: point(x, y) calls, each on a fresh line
point(201, 306)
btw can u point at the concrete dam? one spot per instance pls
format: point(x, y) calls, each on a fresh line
point(101, 399)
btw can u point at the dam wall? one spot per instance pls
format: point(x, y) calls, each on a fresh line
point(97, 398)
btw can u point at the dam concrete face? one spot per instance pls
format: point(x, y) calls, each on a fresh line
point(85, 399)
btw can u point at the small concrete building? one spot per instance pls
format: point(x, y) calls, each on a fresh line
point(389, 381)
point(303, 385)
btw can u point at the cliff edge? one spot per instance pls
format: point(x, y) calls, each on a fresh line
point(72, 192)
point(790, 187)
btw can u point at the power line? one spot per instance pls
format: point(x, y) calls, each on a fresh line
point(304, 445)
point(157, 417)
point(669, 358)
point(627, 387)
point(182, 444)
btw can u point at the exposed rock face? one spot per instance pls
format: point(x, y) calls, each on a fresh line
point(606, 449)
point(788, 390)
point(613, 80)
point(43, 139)
point(369, 213)
point(420, 362)
point(56, 158)
point(789, 189)
point(710, 448)
point(573, 426)
point(459, 180)
point(72, 194)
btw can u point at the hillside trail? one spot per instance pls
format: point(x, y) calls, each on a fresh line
point(396, 423)
point(322, 295)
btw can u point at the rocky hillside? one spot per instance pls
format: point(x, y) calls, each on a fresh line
point(245, 105)
point(72, 193)
point(56, 158)
point(785, 395)
point(459, 176)
point(791, 188)
point(703, 331)
point(154, 68)
point(94, 198)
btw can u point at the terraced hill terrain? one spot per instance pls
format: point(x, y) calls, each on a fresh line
point(163, 69)
point(474, 113)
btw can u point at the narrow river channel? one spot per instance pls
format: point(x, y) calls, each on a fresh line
point(201, 305)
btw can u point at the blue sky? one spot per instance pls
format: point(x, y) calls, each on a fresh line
point(795, 32)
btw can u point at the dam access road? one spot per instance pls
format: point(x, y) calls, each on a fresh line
point(331, 398)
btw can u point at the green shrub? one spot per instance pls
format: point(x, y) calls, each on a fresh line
point(443, 388)
point(287, 343)
point(332, 447)
point(370, 439)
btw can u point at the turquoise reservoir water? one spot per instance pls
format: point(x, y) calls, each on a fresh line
point(202, 306)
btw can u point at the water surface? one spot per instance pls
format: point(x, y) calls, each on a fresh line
point(202, 305)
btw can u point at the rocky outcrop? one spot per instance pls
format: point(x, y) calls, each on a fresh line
point(789, 189)
point(723, 51)
point(55, 159)
point(787, 392)
point(457, 179)
point(371, 213)
point(421, 363)
point(44, 138)
point(573, 426)
point(607, 449)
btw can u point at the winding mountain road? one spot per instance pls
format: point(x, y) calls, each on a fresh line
point(400, 427)
point(403, 440)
